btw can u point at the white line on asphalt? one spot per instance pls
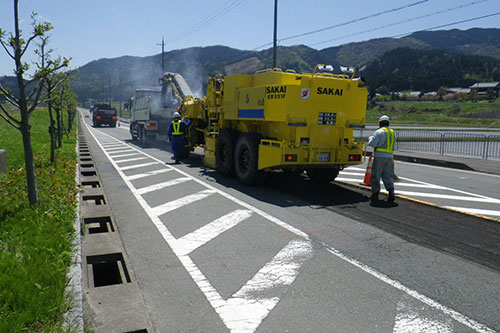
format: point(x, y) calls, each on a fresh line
point(178, 203)
point(159, 186)
point(203, 235)
point(130, 159)
point(121, 151)
point(486, 212)
point(147, 174)
point(125, 155)
point(354, 180)
point(211, 293)
point(448, 197)
point(471, 323)
point(110, 150)
point(130, 167)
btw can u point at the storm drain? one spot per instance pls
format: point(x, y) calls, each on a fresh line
point(96, 225)
point(108, 269)
point(98, 199)
point(88, 173)
point(93, 184)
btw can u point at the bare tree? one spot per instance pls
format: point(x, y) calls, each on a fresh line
point(16, 46)
point(48, 72)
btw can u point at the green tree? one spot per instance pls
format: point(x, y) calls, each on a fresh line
point(16, 46)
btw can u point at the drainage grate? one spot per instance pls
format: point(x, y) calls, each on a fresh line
point(108, 269)
point(86, 165)
point(85, 154)
point(86, 159)
point(93, 184)
point(138, 331)
point(98, 199)
point(89, 173)
point(97, 225)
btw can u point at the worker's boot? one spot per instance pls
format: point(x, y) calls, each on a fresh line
point(391, 197)
point(374, 197)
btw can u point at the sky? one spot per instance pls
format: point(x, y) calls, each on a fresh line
point(87, 30)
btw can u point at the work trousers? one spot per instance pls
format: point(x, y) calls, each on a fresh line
point(383, 167)
point(177, 145)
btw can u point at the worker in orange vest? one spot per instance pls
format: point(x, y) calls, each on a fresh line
point(383, 159)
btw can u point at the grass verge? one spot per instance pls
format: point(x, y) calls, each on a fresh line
point(35, 242)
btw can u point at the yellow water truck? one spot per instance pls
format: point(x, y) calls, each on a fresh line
point(249, 124)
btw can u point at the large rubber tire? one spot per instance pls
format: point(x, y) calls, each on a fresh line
point(322, 175)
point(143, 138)
point(247, 158)
point(131, 130)
point(224, 151)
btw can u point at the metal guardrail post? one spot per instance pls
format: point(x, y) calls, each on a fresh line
point(486, 147)
point(441, 145)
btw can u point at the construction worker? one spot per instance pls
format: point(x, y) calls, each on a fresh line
point(176, 133)
point(383, 159)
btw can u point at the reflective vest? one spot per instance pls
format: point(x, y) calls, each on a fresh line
point(389, 142)
point(176, 127)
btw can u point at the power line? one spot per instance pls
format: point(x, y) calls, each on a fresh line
point(348, 22)
point(401, 22)
point(449, 24)
point(214, 16)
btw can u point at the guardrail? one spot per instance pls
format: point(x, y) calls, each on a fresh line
point(463, 144)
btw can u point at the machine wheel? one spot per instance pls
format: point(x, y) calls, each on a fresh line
point(246, 159)
point(131, 129)
point(322, 175)
point(224, 151)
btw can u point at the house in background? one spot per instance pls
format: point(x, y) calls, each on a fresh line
point(486, 89)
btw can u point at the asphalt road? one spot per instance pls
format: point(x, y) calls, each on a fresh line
point(211, 255)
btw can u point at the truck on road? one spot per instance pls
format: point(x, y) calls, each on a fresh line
point(250, 124)
point(151, 109)
point(103, 114)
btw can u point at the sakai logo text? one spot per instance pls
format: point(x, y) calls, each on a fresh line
point(329, 91)
point(275, 92)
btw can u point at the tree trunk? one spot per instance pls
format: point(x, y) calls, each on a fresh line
point(28, 159)
point(52, 132)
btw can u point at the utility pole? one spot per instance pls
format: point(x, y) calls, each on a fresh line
point(162, 55)
point(275, 39)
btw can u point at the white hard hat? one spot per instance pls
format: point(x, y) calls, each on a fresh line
point(177, 115)
point(384, 118)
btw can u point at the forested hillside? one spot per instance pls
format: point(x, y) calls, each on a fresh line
point(422, 61)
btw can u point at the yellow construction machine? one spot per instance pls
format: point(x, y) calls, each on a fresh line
point(250, 124)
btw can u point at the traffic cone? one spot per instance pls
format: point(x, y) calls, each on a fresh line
point(368, 173)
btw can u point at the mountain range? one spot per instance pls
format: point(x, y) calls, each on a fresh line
point(423, 61)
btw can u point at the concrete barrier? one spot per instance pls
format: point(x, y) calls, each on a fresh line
point(3, 161)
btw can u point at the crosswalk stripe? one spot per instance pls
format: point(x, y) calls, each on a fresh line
point(172, 205)
point(147, 174)
point(120, 151)
point(138, 166)
point(203, 235)
point(131, 159)
point(428, 186)
point(125, 155)
point(159, 186)
point(487, 212)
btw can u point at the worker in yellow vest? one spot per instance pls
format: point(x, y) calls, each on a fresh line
point(383, 159)
point(176, 134)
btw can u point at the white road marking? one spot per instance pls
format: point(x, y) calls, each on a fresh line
point(203, 235)
point(135, 166)
point(159, 186)
point(121, 151)
point(130, 159)
point(125, 155)
point(487, 212)
point(471, 323)
point(147, 174)
point(178, 203)
point(448, 197)
point(409, 319)
point(246, 309)
point(264, 305)
point(110, 150)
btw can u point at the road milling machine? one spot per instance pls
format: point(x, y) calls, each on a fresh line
point(249, 124)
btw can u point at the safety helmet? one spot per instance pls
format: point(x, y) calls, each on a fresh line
point(384, 118)
point(177, 115)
